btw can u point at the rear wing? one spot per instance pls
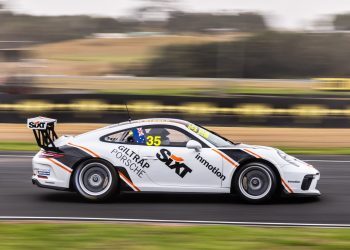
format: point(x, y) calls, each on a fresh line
point(44, 132)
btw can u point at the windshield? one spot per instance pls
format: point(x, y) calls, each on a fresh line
point(211, 136)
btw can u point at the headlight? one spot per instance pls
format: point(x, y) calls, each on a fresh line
point(290, 159)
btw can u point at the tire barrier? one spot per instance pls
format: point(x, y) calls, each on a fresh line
point(239, 110)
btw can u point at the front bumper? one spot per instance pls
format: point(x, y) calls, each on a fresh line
point(301, 180)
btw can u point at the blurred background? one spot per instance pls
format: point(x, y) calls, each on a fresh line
point(275, 73)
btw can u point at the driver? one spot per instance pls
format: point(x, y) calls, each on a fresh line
point(163, 133)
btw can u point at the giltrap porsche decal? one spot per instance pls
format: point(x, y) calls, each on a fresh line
point(174, 162)
point(130, 159)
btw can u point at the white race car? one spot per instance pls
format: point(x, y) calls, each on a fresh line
point(164, 155)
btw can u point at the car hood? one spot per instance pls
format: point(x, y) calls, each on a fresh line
point(247, 146)
point(268, 153)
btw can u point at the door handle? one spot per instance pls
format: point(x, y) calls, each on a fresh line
point(149, 157)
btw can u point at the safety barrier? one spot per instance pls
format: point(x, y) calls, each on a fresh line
point(244, 110)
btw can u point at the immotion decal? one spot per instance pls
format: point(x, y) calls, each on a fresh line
point(174, 162)
point(210, 167)
point(131, 160)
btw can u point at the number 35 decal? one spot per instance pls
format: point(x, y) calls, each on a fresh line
point(153, 140)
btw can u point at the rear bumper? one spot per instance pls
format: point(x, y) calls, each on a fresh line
point(38, 184)
point(48, 174)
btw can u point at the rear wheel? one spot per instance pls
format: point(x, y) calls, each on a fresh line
point(255, 182)
point(96, 180)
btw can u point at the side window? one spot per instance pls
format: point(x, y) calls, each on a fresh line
point(165, 136)
point(124, 136)
point(150, 136)
point(129, 136)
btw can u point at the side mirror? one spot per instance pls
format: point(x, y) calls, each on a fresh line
point(192, 144)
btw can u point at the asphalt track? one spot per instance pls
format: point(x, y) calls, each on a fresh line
point(18, 197)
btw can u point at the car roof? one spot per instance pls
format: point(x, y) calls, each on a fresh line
point(128, 124)
point(152, 120)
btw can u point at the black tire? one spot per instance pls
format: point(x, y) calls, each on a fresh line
point(96, 180)
point(255, 183)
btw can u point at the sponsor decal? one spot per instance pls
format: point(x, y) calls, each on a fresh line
point(174, 162)
point(154, 140)
point(293, 181)
point(37, 124)
point(203, 133)
point(44, 172)
point(131, 160)
point(41, 172)
point(210, 167)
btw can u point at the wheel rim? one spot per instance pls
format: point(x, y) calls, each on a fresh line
point(95, 179)
point(255, 182)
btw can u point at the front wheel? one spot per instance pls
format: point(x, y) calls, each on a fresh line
point(255, 182)
point(95, 180)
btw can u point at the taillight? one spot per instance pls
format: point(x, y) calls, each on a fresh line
point(48, 154)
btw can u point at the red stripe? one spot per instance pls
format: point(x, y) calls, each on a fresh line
point(129, 182)
point(86, 149)
point(252, 153)
point(287, 186)
point(225, 157)
point(60, 165)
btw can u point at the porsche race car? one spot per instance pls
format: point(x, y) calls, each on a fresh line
point(164, 155)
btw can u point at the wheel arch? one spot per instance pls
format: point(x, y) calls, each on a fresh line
point(85, 159)
point(257, 160)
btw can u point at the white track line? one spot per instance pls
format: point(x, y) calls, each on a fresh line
point(334, 161)
point(16, 156)
point(92, 219)
point(31, 156)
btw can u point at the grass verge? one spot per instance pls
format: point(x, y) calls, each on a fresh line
point(28, 146)
point(316, 151)
point(18, 146)
point(122, 236)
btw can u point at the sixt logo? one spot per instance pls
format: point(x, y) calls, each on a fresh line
point(36, 124)
point(173, 162)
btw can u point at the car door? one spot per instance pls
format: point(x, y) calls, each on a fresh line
point(122, 150)
point(171, 163)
